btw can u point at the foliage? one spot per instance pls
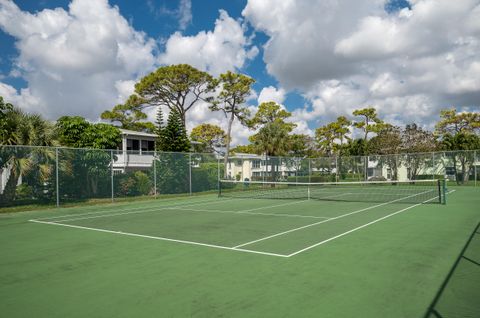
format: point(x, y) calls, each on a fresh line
point(130, 115)
point(205, 176)
point(356, 147)
point(34, 165)
point(133, 184)
point(452, 122)
point(172, 137)
point(329, 135)
point(301, 145)
point(7, 122)
point(463, 162)
point(234, 90)
point(210, 136)
point(270, 112)
point(172, 172)
point(370, 123)
point(178, 87)
point(244, 149)
point(75, 131)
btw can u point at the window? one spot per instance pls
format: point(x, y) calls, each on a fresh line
point(151, 145)
point(144, 144)
point(256, 163)
point(133, 144)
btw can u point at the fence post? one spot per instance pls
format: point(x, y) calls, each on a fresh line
point(336, 168)
point(56, 177)
point(475, 167)
point(433, 165)
point(190, 172)
point(155, 174)
point(365, 168)
point(218, 173)
point(111, 171)
point(309, 170)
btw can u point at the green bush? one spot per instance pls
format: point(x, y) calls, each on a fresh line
point(132, 184)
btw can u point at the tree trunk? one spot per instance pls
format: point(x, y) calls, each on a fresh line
point(227, 150)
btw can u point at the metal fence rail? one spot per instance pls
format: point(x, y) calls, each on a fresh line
point(59, 175)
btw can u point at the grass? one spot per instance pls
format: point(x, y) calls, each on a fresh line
point(391, 268)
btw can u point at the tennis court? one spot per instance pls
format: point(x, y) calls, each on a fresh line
point(276, 219)
point(258, 249)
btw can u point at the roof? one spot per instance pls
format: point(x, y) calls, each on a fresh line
point(136, 133)
point(242, 155)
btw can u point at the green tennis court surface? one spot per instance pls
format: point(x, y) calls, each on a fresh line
point(240, 256)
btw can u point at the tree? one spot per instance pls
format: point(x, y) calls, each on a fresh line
point(466, 159)
point(325, 138)
point(130, 115)
point(301, 145)
point(211, 136)
point(341, 128)
point(173, 137)
point(77, 132)
point(235, 88)
point(270, 112)
point(370, 123)
point(244, 149)
point(452, 123)
point(272, 140)
point(331, 137)
point(178, 87)
point(7, 125)
point(386, 146)
point(32, 164)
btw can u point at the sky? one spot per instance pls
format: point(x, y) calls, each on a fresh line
point(317, 58)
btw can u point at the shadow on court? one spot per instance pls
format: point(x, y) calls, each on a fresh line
point(459, 294)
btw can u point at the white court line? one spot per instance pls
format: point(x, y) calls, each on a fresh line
point(143, 210)
point(159, 238)
point(182, 207)
point(324, 221)
point(127, 209)
point(361, 227)
point(257, 213)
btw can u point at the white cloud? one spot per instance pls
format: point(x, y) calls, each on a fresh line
point(344, 55)
point(224, 48)
point(74, 60)
point(271, 94)
point(185, 13)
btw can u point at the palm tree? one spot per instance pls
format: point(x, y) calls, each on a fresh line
point(20, 161)
point(272, 139)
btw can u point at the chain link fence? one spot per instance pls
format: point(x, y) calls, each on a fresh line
point(60, 176)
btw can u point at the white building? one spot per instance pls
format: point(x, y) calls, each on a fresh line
point(136, 152)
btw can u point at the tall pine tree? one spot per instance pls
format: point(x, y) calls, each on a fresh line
point(173, 136)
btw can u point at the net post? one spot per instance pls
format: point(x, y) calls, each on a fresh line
point(111, 171)
point(308, 192)
point(443, 191)
point(56, 177)
point(155, 174)
point(190, 172)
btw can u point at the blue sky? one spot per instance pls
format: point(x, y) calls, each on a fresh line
point(320, 59)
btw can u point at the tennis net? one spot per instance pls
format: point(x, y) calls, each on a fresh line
point(413, 191)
